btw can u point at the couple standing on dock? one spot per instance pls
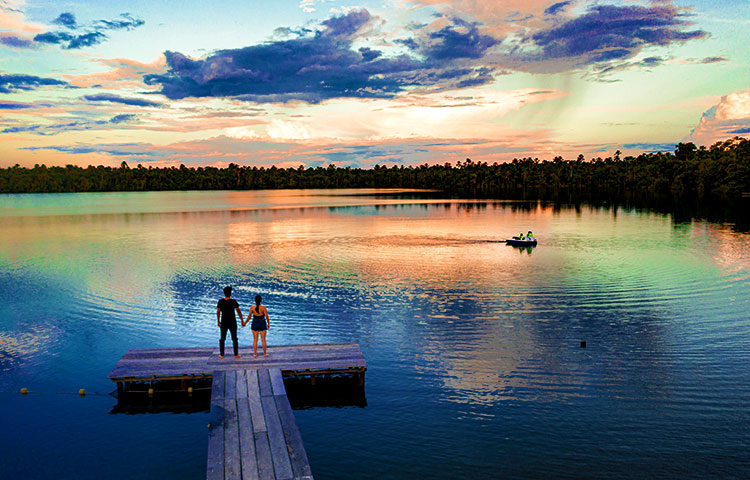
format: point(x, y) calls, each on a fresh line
point(227, 321)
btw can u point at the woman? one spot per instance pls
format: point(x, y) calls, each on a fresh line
point(261, 323)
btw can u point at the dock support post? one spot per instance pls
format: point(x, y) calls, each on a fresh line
point(312, 380)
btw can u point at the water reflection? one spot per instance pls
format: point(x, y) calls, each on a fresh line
point(455, 324)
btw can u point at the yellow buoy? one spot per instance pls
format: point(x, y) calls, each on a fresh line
point(150, 391)
point(24, 391)
point(190, 389)
point(82, 392)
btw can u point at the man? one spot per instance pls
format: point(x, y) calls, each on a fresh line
point(227, 321)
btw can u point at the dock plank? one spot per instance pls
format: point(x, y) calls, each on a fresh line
point(253, 399)
point(215, 463)
point(265, 382)
point(263, 455)
point(297, 454)
point(282, 466)
point(217, 386)
point(230, 384)
point(247, 440)
point(241, 384)
point(231, 440)
point(277, 382)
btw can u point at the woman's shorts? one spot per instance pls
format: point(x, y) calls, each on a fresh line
point(259, 324)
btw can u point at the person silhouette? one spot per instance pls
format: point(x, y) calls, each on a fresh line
point(227, 321)
point(261, 324)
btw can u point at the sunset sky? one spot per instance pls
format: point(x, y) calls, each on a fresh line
point(315, 82)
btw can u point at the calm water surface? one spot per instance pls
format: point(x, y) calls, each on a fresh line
point(475, 369)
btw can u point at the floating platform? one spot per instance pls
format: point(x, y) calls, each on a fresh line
point(252, 431)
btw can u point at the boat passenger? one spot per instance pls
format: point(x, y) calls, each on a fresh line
point(521, 237)
point(530, 236)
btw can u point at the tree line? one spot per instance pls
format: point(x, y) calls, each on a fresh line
point(721, 171)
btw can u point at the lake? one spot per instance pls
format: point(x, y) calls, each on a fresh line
point(473, 346)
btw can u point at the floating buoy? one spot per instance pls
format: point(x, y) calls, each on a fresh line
point(82, 392)
point(190, 390)
point(583, 344)
point(24, 391)
point(150, 392)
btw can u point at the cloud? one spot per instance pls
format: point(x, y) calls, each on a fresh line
point(730, 117)
point(309, 5)
point(123, 149)
point(709, 60)
point(124, 74)
point(125, 22)
point(91, 35)
point(14, 105)
point(105, 97)
point(556, 8)
point(15, 83)
point(606, 33)
point(66, 19)
point(14, 41)
point(55, 128)
point(324, 65)
point(649, 147)
point(124, 117)
point(458, 40)
point(473, 114)
point(12, 18)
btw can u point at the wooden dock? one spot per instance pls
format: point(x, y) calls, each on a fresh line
point(252, 433)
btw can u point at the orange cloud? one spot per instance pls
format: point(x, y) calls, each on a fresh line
point(125, 74)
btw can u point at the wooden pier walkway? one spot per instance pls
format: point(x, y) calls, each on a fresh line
point(252, 432)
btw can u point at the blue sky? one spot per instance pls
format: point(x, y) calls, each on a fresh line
point(315, 82)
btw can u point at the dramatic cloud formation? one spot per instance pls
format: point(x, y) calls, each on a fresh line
point(325, 65)
point(105, 97)
point(91, 35)
point(729, 118)
point(15, 83)
point(405, 82)
point(603, 34)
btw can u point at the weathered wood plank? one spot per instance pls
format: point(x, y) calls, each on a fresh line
point(253, 399)
point(265, 382)
point(217, 386)
point(282, 466)
point(231, 440)
point(277, 382)
point(247, 440)
point(215, 464)
point(241, 384)
point(297, 454)
point(230, 384)
point(263, 455)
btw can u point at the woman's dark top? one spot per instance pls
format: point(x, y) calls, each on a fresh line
point(227, 310)
point(259, 321)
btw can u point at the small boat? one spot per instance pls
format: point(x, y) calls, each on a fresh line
point(521, 243)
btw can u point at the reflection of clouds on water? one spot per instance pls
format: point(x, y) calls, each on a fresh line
point(18, 347)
